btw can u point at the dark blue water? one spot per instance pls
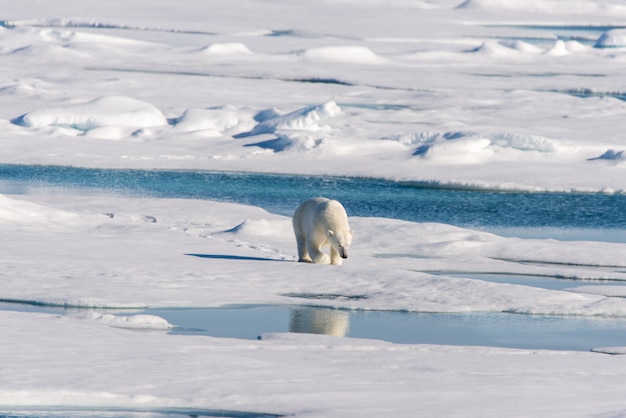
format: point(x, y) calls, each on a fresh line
point(361, 196)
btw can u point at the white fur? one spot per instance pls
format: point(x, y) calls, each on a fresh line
point(320, 222)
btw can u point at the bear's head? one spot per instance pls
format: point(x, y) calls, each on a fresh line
point(341, 241)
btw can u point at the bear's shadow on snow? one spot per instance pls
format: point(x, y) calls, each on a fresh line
point(234, 257)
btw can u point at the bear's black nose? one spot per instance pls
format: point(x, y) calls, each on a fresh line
point(344, 255)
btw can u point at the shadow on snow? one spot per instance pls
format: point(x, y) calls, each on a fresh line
point(233, 257)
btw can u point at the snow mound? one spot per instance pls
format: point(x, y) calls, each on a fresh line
point(577, 7)
point(500, 49)
point(520, 49)
point(101, 112)
point(524, 142)
point(611, 155)
point(254, 227)
point(432, 143)
point(25, 213)
point(481, 4)
point(212, 122)
point(129, 321)
point(224, 49)
point(460, 151)
point(267, 114)
point(521, 46)
point(425, 137)
point(575, 46)
point(17, 89)
point(615, 38)
point(261, 228)
point(341, 54)
point(305, 119)
point(52, 52)
point(559, 49)
point(297, 143)
point(605, 290)
point(70, 38)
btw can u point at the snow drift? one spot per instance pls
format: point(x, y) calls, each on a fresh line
point(615, 38)
point(101, 112)
point(305, 119)
point(340, 54)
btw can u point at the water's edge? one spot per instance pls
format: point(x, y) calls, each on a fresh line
point(462, 329)
point(361, 196)
point(520, 212)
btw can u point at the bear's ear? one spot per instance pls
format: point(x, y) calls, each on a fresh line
point(352, 232)
point(331, 232)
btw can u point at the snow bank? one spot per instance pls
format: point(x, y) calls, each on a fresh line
point(298, 143)
point(615, 38)
point(463, 151)
point(126, 321)
point(107, 111)
point(251, 228)
point(559, 49)
point(199, 121)
point(517, 49)
point(340, 54)
point(471, 147)
point(213, 122)
point(501, 49)
point(19, 212)
point(611, 155)
point(521, 46)
point(425, 137)
point(226, 49)
point(306, 119)
point(578, 7)
point(606, 290)
point(525, 142)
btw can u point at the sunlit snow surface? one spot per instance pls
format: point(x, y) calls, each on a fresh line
point(481, 94)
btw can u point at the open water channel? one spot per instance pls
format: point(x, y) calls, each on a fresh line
point(542, 215)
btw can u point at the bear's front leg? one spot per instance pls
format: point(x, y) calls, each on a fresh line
point(315, 251)
point(335, 257)
point(303, 254)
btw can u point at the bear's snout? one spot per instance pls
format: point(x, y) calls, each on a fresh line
point(344, 253)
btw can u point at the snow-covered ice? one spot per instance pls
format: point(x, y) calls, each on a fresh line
point(154, 263)
point(483, 94)
point(498, 87)
point(106, 251)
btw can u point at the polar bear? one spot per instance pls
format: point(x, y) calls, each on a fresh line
point(320, 222)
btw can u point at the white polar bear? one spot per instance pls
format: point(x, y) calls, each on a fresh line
point(319, 222)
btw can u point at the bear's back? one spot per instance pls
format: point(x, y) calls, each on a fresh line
point(321, 211)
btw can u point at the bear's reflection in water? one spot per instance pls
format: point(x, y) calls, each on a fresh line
point(319, 321)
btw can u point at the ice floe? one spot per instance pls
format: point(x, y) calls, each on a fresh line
point(477, 94)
